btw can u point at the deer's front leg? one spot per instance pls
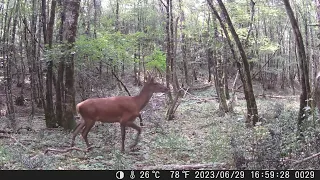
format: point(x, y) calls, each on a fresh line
point(123, 136)
point(127, 120)
point(138, 129)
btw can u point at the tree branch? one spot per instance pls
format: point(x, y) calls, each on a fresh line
point(69, 149)
point(19, 143)
point(166, 6)
point(35, 39)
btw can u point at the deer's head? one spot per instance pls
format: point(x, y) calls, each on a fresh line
point(155, 86)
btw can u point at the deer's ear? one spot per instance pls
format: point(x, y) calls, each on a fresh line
point(149, 77)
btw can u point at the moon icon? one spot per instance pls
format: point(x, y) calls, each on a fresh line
point(119, 175)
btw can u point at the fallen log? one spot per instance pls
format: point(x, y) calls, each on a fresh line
point(185, 167)
point(197, 88)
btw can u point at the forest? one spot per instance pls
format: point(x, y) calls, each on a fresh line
point(159, 84)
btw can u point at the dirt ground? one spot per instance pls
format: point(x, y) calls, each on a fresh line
point(198, 136)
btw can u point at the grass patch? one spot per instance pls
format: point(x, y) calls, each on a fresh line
point(4, 157)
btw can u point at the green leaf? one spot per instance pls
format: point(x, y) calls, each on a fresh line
point(156, 60)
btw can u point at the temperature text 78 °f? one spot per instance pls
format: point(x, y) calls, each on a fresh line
point(149, 174)
point(178, 174)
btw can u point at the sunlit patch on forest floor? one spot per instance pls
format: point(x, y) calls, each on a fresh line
point(197, 135)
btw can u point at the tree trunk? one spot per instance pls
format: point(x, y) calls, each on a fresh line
point(69, 35)
point(252, 110)
point(60, 72)
point(44, 20)
point(303, 66)
point(183, 44)
point(168, 57)
point(7, 68)
point(117, 16)
point(51, 121)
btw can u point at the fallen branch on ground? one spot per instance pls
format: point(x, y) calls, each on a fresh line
point(26, 128)
point(186, 167)
point(13, 138)
point(280, 97)
point(204, 99)
point(69, 149)
point(305, 159)
point(202, 88)
point(6, 132)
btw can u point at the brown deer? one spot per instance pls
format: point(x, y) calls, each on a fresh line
point(121, 109)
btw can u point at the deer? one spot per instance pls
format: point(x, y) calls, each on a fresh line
point(117, 109)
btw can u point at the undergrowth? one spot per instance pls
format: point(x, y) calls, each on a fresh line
point(198, 134)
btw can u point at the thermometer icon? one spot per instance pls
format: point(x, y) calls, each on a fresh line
point(132, 176)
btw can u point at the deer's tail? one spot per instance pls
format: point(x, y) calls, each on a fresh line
point(76, 117)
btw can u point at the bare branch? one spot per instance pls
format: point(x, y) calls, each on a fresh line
point(69, 149)
point(166, 6)
point(13, 138)
point(305, 159)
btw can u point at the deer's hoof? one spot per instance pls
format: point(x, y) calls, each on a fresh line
point(90, 147)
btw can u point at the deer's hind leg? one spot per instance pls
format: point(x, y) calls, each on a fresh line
point(87, 128)
point(79, 127)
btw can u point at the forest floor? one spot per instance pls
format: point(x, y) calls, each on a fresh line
point(198, 137)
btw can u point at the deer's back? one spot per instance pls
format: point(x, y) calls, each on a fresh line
point(109, 109)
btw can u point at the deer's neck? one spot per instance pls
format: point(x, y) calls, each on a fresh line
point(143, 97)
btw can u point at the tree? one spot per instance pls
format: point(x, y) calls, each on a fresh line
point(243, 67)
point(8, 63)
point(303, 65)
point(183, 43)
point(51, 121)
point(69, 35)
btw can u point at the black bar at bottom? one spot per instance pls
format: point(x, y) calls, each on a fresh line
point(217, 174)
point(160, 174)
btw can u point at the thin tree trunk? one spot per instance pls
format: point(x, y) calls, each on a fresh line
point(168, 57)
point(40, 70)
point(303, 65)
point(8, 66)
point(44, 20)
point(183, 44)
point(51, 121)
point(117, 16)
point(61, 66)
point(252, 110)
